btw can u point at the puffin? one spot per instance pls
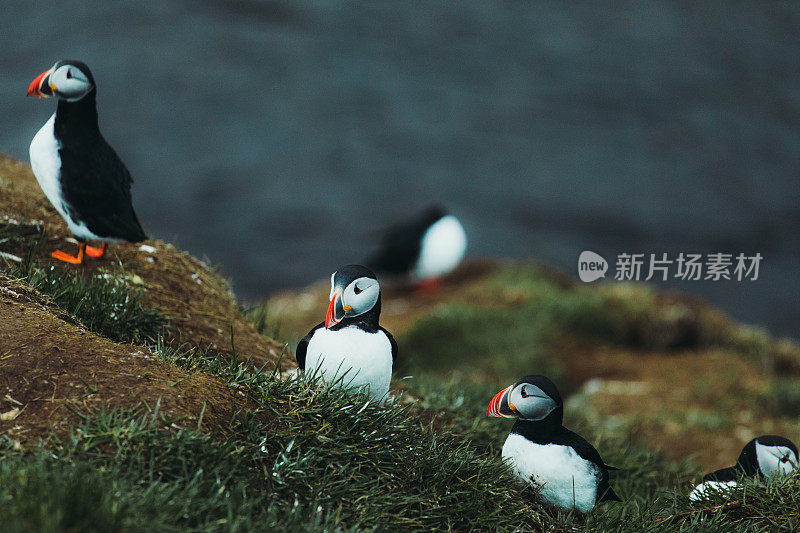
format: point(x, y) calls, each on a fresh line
point(565, 470)
point(350, 347)
point(422, 250)
point(78, 171)
point(764, 456)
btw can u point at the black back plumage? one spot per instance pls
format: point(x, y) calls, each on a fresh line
point(95, 184)
point(401, 244)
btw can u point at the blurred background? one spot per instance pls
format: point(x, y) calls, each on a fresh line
point(275, 137)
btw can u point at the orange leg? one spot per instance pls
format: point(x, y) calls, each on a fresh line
point(96, 253)
point(61, 256)
point(428, 285)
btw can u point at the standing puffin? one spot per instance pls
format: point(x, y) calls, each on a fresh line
point(78, 171)
point(350, 345)
point(423, 249)
point(767, 455)
point(567, 472)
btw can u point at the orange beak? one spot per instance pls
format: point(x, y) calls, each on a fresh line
point(40, 86)
point(335, 312)
point(500, 407)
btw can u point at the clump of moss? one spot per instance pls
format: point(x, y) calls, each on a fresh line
point(105, 303)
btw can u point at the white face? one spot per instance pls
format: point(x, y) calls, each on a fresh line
point(360, 296)
point(69, 83)
point(531, 402)
point(775, 460)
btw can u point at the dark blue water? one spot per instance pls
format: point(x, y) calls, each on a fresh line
point(273, 136)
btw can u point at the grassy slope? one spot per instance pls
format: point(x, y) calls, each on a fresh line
point(196, 300)
point(290, 456)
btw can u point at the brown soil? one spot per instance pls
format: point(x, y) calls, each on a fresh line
point(51, 367)
point(198, 302)
point(692, 403)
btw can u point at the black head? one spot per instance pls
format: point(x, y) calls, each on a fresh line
point(432, 214)
point(768, 455)
point(355, 298)
point(68, 80)
point(533, 398)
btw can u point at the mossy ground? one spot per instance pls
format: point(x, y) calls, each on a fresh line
point(681, 375)
point(175, 415)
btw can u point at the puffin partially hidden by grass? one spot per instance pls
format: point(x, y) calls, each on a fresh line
point(564, 469)
point(422, 250)
point(350, 347)
point(764, 456)
point(78, 171)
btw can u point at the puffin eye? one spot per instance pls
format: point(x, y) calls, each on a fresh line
point(356, 290)
point(69, 74)
point(523, 393)
point(785, 459)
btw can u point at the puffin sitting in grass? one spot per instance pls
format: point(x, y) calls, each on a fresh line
point(564, 469)
point(422, 250)
point(78, 171)
point(350, 348)
point(764, 456)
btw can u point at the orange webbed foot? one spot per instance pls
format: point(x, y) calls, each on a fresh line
point(428, 286)
point(61, 256)
point(96, 253)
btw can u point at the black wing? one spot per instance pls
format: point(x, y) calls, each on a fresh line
point(394, 346)
point(97, 188)
point(731, 473)
point(302, 347)
point(399, 249)
point(588, 452)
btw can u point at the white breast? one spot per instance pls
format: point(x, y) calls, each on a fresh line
point(352, 358)
point(46, 166)
point(442, 249)
point(706, 487)
point(564, 479)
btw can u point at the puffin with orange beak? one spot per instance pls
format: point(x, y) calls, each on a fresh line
point(350, 348)
point(78, 171)
point(566, 471)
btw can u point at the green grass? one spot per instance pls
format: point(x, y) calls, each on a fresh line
point(783, 397)
point(513, 338)
point(105, 303)
point(311, 458)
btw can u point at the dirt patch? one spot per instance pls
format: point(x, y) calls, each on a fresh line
point(699, 403)
point(50, 367)
point(198, 301)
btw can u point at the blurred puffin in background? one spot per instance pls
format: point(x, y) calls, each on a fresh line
point(78, 171)
point(767, 456)
point(565, 470)
point(350, 347)
point(422, 250)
